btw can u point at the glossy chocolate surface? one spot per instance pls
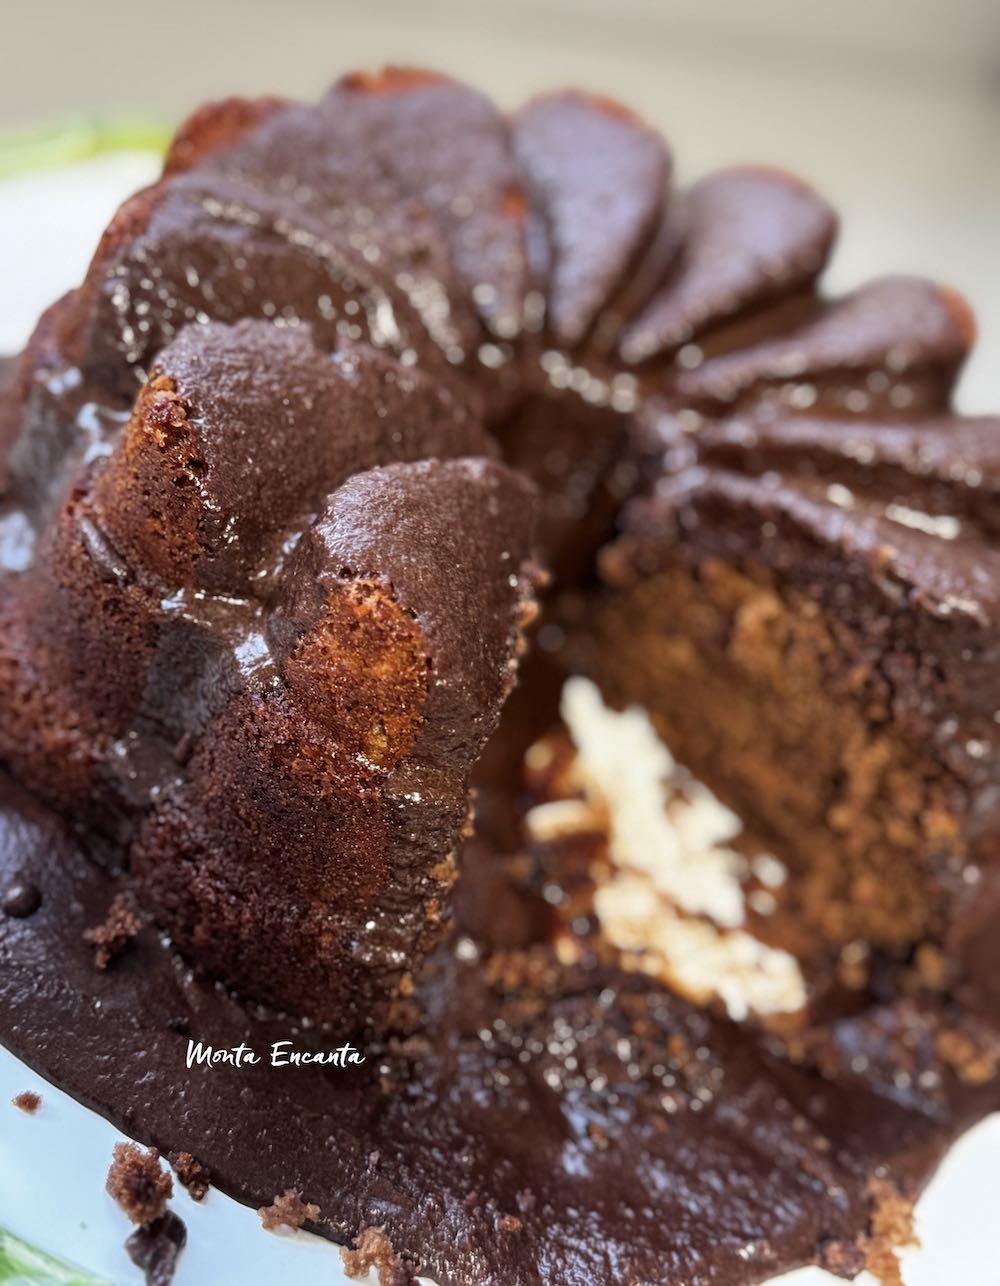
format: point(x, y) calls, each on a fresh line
point(545, 1123)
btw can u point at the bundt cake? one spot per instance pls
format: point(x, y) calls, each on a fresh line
point(263, 643)
point(268, 533)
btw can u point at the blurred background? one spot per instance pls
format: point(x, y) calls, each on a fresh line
point(891, 107)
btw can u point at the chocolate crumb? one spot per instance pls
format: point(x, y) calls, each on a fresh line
point(842, 1258)
point(598, 1136)
point(288, 1211)
point(891, 1228)
point(373, 1249)
point(28, 1101)
point(191, 1173)
point(120, 926)
point(137, 1182)
point(974, 1061)
point(882, 1262)
point(509, 1223)
point(155, 1247)
point(21, 899)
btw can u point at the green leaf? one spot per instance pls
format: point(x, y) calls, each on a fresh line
point(23, 1265)
point(78, 140)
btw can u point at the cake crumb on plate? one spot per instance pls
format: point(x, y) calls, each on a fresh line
point(288, 1210)
point(373, 1249)
point(190, 1173)
point(120, 926)
point(138, 1183)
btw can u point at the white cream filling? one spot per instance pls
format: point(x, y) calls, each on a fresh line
point(678, 842)
point(675, 901)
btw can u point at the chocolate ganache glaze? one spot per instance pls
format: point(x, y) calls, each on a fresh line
point(546, 1122)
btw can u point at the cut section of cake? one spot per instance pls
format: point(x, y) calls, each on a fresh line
point(807, 604)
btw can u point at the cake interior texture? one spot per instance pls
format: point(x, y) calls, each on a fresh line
point(760, 694)
point(822, 652)
point(347, 396)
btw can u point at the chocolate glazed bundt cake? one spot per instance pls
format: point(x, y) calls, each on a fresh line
point(266, 572)
point(263, 642)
